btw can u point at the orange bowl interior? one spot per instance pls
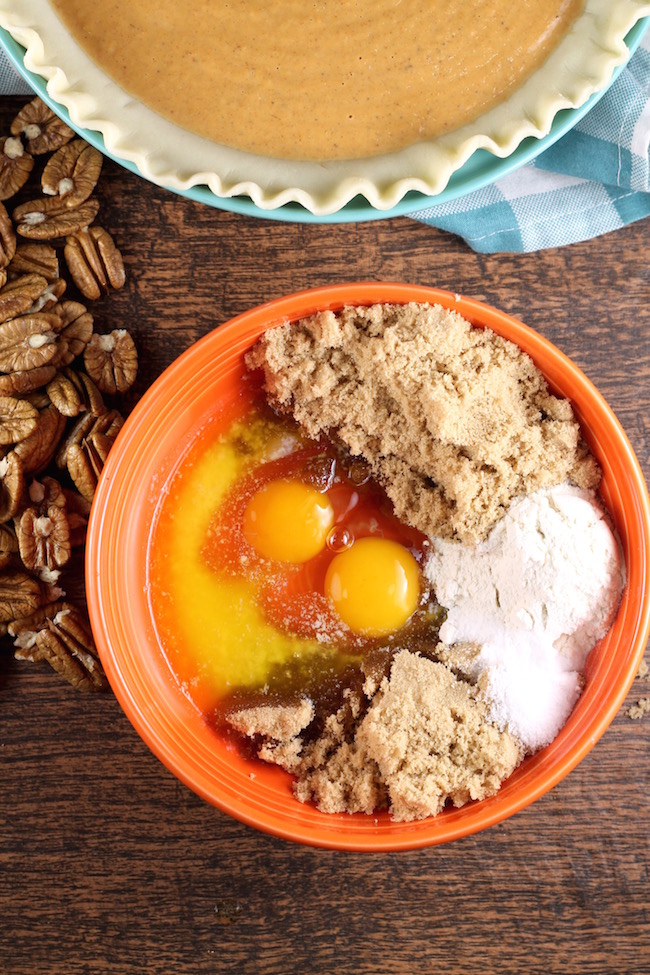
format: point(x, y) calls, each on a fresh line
point(205, 384)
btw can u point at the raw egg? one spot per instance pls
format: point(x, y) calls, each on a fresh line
point(373, 586)
point(288, 521)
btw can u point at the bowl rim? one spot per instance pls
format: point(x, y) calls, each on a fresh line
point(233, 337)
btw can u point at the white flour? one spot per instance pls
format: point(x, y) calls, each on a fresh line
point(535, 596)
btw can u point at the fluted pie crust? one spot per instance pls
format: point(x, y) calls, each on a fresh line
point(580, 64)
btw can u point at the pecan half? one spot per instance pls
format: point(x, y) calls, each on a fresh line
point(112, 361)
point(94, 262)
point(19, 295)
point(7, 237)
point(18, 419)
point(60, 634)
point(22, 383)
point(12, 485)
point(43, 130)
point(20, 595)
point(28, 342)
point(75, 329)
point(72, 172)
point(85, 459)
point(44, 542)
point(49, 217)
point(74, 392)
point(65, 395)
point(42, 529)
point(35, 258)
point(85, 466)
point(37, 450)
point(93, 402)
point(15, 166)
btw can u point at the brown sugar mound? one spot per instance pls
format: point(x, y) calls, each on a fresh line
point(419, 739)
point(454, 420)
point(431, 740)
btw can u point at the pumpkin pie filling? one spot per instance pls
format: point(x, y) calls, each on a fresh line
point(319, 80)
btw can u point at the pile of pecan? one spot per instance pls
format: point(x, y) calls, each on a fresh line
point(55, 427)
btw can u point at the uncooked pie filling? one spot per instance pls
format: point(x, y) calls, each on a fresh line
point(319, 79)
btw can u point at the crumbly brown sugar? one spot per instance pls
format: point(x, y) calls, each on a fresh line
point(430, 737)
point(454, 420)
point(638, 710)
point(277, 721)
point(422, 740)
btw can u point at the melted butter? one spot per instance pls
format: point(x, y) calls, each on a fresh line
point(210, 625)
point(319, 79)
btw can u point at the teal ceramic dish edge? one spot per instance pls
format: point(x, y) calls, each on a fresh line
point(480, 170)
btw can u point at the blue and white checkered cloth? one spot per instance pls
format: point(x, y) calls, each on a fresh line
point(10, 82)
point(596, 178)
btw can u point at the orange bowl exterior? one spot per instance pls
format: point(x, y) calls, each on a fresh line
point(206, 381)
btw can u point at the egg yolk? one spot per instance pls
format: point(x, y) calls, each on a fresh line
point(373, 586)
point(288, 521)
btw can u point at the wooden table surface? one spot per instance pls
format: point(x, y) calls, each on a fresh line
point(109, 865)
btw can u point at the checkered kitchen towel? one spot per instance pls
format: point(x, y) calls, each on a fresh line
point(10, 82)
point(596, 178)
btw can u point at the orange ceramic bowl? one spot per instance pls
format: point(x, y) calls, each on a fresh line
point(206, 381)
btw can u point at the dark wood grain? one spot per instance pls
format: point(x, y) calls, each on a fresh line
point(109, 865)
